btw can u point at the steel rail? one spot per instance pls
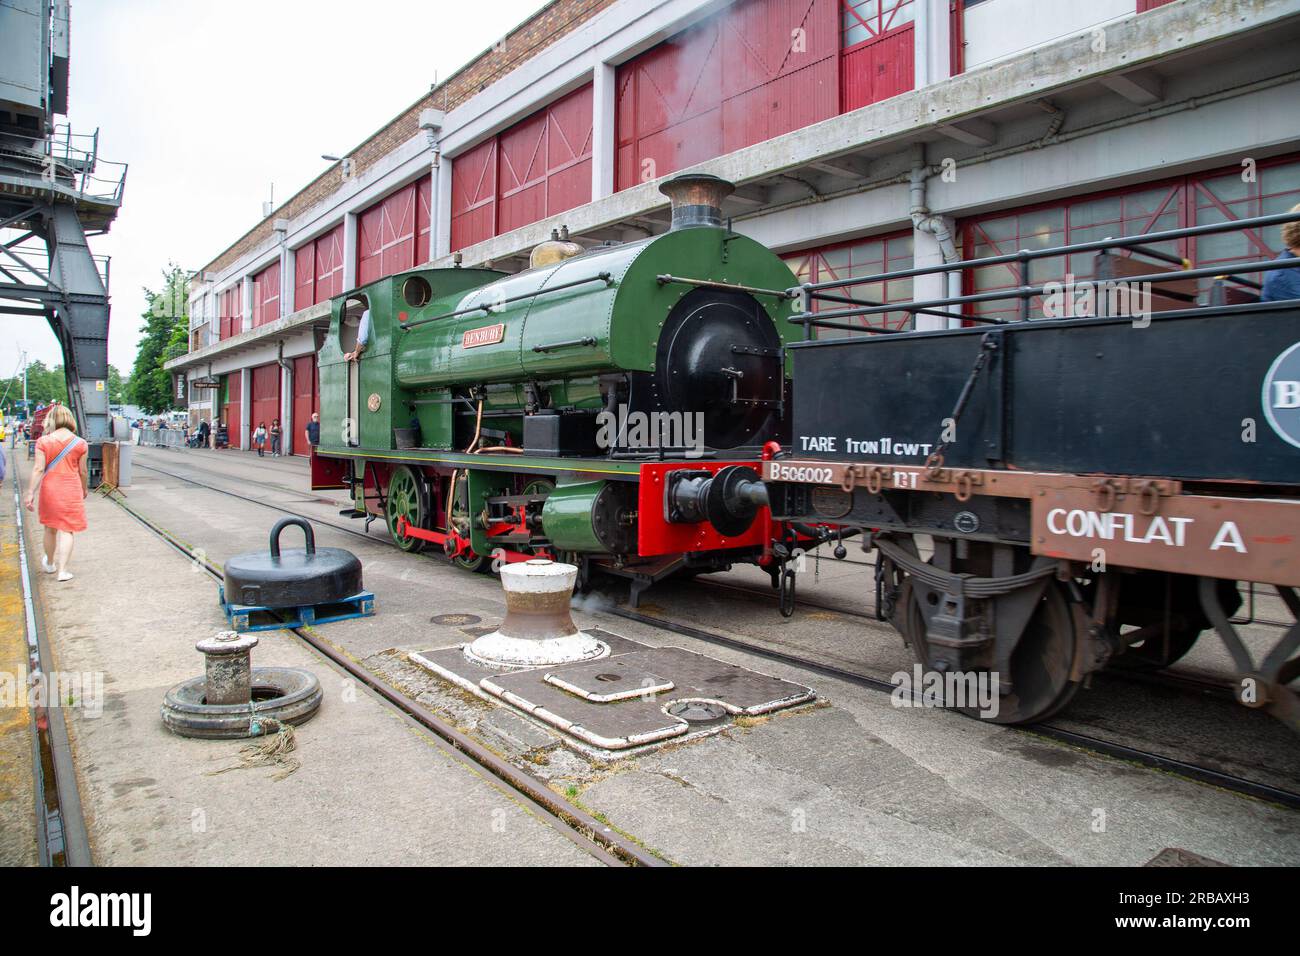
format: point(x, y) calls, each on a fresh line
point(596, 838)
point(61, 835)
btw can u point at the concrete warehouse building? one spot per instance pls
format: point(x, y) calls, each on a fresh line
point(863, 136)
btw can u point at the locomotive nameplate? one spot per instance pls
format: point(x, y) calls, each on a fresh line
point(484, 335)
point(1242, 539)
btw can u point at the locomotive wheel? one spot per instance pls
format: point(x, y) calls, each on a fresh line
point(460, 518)
point(1040, 665)
point(406, 499)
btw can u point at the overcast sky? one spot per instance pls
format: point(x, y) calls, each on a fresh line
point(211, 103)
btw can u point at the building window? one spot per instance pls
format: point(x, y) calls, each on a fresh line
point(865, 257)
point(1197, 200)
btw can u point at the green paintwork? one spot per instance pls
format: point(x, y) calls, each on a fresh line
point(566, 516)
point(623, 317)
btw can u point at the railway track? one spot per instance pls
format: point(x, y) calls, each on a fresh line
point(598, 839)
point(1112, 749)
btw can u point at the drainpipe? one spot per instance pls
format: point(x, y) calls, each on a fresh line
point(924, 221)
point(431, 121)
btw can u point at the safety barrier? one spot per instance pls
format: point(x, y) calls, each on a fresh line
point(161, 437)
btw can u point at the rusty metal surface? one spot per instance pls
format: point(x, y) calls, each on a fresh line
point(875, 477)
point(1243, 539)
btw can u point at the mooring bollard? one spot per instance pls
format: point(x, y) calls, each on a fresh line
point(538, 629)
point(228, 667)
point(235, 699)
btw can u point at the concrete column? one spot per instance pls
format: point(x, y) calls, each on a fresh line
point(926, 252)
point(602, 131)
point(246, 297)
point(435, 208)
point(349, 251)
point(286, 409)
point(287, 267)
point(245, 406)
point(932, 58)
point(442, 228)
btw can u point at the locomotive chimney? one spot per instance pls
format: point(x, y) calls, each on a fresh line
point(696, 199)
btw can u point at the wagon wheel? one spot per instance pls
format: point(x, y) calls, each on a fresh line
point(1040, 665)
point(406, 499)
point(460, 522)
point(1160, 650)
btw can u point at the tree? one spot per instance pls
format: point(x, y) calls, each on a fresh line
point(116, 387)
point(166, 323)
point(44, 385)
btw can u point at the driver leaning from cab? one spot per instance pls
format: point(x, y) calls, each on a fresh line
point(363, 337)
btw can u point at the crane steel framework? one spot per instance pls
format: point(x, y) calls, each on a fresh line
point(55, 193)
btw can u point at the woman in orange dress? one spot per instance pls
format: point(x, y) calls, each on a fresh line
point(62, 484)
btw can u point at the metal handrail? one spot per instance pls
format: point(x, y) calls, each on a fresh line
point(1026, 291)
point(1097, 245)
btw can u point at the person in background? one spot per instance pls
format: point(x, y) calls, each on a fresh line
point(1283, 284)
point(259, 439)
point(62, 480)
point(277, 433)
point(313, 430)
point(204, 430)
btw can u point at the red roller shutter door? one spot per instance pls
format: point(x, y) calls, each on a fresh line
point(266, 295)
point(537, 168)
point(304, 276)
point(306, 399)
point(878, 50)
point(759, 69)
point(386, 236)
point(545, 162)
point(473, 195)
point(231, 320)
point(266, 398)
point(318, 269)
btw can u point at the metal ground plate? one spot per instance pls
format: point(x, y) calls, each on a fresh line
point(634, 721)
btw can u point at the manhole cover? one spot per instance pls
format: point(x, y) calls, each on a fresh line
point(697, 711)
point(455, 620)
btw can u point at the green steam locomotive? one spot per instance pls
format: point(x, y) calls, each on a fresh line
point(607, 406)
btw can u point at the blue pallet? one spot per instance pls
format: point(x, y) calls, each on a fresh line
point(240, 615)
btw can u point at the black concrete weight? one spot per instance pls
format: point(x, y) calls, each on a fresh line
point(294, 577)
